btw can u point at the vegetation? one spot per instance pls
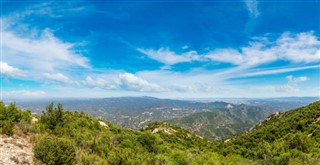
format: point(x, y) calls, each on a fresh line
point(218, 124)
point(283, 138)
point(65, 137)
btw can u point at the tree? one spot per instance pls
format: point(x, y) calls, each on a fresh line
point(53, 116)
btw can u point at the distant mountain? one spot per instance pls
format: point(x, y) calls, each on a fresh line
point(136, 112)
point(283, 103)
point(130, 112)
point(219, 124)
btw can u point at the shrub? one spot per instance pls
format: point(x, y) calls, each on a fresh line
point(6, 127)
point(55, 151)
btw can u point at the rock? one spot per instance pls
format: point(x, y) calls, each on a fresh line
point(103, 124)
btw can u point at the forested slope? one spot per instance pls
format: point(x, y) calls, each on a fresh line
point(292, 136)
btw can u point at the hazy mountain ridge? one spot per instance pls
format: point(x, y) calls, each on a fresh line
point(131, 112)
point(223, 123)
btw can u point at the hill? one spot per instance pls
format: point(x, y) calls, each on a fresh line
point(65, 137)
point(223, 123)
point(283, 138)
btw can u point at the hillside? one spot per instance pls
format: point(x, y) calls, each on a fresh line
point(219, 124)
point(284, 137)
point(64, 137)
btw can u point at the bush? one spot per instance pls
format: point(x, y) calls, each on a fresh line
point(6, 127)
point(11, 112)
point(55, 151)
point(91, 159)
point(150, 142)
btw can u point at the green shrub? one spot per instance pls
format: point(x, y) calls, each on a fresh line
point(91, 159)
point(6, 127)
point(55, 151)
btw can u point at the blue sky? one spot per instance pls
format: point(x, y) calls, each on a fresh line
point(168, 49)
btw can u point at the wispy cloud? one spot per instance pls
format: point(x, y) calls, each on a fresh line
point(168, 57)
point(296, 48)
point(58, 77)
point(46, 53)
point(302, 49)
point(34, 51)
point(132, 82)
point(252, 7)
point(11, 71)
point(294, 80)
point(99, 83)
point(278, 70)
point(122, 81)
point(292, 85)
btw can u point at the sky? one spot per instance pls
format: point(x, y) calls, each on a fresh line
point(160, 48)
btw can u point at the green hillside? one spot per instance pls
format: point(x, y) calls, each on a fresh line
point(65, 137)
point(288, 137)
point(216, 125)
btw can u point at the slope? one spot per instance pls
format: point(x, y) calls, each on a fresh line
point(223, 123)
point(283, 138)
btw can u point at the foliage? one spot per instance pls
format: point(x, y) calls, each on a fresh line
point(7, 127)
point(52, 117)
point(282, 138)
point(10, 115)
point(55, 151)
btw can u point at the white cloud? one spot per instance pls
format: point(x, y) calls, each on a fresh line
point(252, 7)
point(99, 83)
point(292, 85)
point(288, 89)
point(226, 56)
point(58, 77)
point(168, 57)
point(278, 70)
point(302, 47)
point(45, 53)
point(35, 51)
point(11, 71)
point(185, 47)
point(134, 83)
point(296, 48)
point(125, 81)
point(295, 80)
